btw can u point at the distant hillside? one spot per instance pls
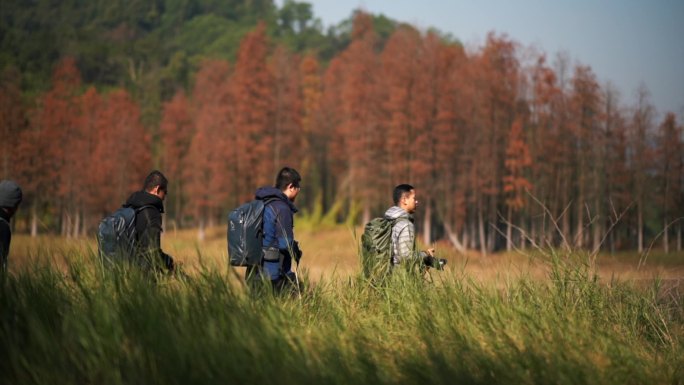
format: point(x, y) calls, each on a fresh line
point(151, 48)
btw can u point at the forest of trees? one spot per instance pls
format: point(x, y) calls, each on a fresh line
point(506, 147)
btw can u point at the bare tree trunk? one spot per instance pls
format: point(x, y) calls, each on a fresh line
point(666, 239)
point(466, 236)
point(177, 201)
point(579, 232)
point(366, 213)
point(77, 225)
point(491, 236)
point(679, 237)
point(34, 221)
point(533, 233)
point(509, 231)
point(611, 241)
point(566, 225)
point(65, 226)
point(640, 227)
point(565, 200)
point(453, 238)
point(480, 223)
point(84, 224)
point(427, 224)
point(598, 228)
point(200, 231)
point(522, 239)
point(596, 241)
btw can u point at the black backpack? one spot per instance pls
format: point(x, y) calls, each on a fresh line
point(116, 235)
point(246, 233)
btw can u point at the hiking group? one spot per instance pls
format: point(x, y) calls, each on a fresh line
point(260, 233)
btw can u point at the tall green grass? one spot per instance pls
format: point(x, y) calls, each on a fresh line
point(96, 326)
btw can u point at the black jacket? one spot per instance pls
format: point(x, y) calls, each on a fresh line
point(148, 228)
point(5, 238)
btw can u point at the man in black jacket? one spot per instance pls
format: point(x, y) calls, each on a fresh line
point(10, 198)
point(148, 222)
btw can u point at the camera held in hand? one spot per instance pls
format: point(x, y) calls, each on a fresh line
point(435, 263)
point(296, 251)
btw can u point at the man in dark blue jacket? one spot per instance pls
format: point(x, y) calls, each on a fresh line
point(279, 245)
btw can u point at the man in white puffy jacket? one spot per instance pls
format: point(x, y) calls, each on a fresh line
point(403, 231)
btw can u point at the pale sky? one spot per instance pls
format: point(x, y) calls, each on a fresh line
point(626, 42)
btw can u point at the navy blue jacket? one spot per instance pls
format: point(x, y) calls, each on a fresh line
point(278, 226)
point(278, 219)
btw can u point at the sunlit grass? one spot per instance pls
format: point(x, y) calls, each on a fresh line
point(85, 324)
point(543, 316)
point(332, 250)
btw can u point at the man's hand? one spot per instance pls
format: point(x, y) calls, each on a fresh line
point(431, 252)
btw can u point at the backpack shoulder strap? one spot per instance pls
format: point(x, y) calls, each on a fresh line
point(269, 200)
point(141, 208)
point(397, 220)
point(138, 211)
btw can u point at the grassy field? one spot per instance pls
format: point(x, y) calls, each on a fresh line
point(332, 252)
point(550, 317)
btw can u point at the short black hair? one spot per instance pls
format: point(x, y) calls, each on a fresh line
point(286, 176)
point(399, 192)
point(156, 178)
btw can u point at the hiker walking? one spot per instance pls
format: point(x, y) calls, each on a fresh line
point(278, 244)
point(403, 251)
point(10, 198)
point(149, 206)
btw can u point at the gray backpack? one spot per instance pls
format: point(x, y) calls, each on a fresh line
point(116, 236)
point(246, 233)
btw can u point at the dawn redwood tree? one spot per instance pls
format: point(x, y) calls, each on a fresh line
point(211, 174)
point(12, 121)
point(58, 119)
point(330, 119)
point(358, 133)
point(562, 154)
point(176, 128)
point(398, 82)
point(288, 137)
point(201, 204)
point(544, 144)
point(252, 101)
point(617, 178)
point(496, 77)
point(671, 175)
point(585, 122)
point(409, 105)
point(424, 116)
point(448, 129)
point(89, 121)
point(315, 137)
point(122, 150)
point(30, 170)
point(641, 158)
point(515, 181)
